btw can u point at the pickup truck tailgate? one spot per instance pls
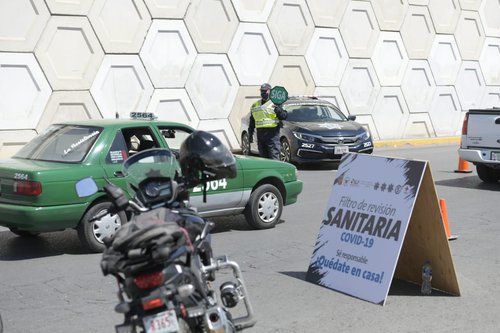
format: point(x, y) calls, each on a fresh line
point(483, 129)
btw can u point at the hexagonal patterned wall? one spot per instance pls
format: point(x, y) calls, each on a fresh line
point(406, 69)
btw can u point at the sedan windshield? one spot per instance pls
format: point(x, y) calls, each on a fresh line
point(313, 113)
point(61, 143)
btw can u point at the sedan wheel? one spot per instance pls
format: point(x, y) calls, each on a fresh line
point(285, 151)
point(264, 208)
point(92, 234)
point(245, 144)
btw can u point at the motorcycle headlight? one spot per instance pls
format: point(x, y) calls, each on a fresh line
point(306, 137)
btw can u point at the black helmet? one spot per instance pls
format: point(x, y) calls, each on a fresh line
point(203, 157)
point(265, 86)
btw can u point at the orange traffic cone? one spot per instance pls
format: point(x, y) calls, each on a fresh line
point(463, 166)
point(444, 213)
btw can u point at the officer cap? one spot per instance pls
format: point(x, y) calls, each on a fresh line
point(265, 86)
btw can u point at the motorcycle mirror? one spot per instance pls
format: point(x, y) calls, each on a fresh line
point(86, 187)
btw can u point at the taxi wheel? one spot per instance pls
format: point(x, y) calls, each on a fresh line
point(92, 234)
point(264, 208)
point(24, 233)
point(285, 151)
point(245, 144)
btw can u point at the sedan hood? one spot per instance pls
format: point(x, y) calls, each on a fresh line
point(336, 128)
point(255, 162)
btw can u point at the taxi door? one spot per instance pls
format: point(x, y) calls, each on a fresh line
point(126, 142)
point(222, 194)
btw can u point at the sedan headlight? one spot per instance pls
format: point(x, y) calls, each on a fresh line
point(306, 137)
point(364, 136)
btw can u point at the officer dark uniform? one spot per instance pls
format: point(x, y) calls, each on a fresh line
point(266, 118)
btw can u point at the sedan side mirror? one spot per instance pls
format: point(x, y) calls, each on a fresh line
point(351, 117)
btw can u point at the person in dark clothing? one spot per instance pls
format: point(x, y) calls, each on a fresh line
point(266, 118)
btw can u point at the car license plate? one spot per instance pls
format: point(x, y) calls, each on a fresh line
point(163, 322)
point(340, 150)
point(495, 155)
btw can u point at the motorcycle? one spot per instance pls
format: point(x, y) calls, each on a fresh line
point(162, 258)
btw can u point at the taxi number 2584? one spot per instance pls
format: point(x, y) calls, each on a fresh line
point(213, 185)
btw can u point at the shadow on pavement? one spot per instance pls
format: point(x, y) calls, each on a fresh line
point(405, 288)
point(13, 247)
point(472, 182)
point(398, 287)
point(50, 244)
point(319, 166)
point(228, 223)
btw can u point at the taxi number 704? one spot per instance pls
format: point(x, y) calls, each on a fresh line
point(213, 185)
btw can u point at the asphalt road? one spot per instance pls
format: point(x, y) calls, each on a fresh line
point(49, 284)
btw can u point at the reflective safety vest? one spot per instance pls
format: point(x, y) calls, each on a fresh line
point(264, 114)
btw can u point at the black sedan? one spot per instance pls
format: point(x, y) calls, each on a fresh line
point(315, 131)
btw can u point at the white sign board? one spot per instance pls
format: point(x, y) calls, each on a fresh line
point(364, 225)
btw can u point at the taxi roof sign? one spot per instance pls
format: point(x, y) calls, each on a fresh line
point(279, 95)
point(143, 115)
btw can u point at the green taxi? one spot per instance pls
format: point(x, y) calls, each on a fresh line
point(37, 185)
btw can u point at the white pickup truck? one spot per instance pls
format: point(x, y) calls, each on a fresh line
point(480, 142)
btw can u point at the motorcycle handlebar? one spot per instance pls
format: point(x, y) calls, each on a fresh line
point(113, 210)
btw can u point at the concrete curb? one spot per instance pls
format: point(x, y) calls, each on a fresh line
point(416, 142)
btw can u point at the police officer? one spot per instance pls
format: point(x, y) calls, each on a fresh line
point(266, 118)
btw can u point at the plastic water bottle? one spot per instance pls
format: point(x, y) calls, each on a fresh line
point(426, 278)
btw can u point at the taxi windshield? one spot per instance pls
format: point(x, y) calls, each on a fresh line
point(157, 162)
point(61, 143)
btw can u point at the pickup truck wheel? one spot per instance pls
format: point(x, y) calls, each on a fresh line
point(487, 175)
point(92, 234)
point(264, 208)
point(24, 233)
